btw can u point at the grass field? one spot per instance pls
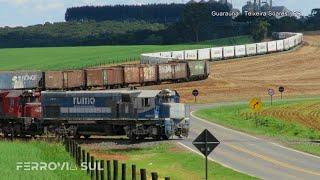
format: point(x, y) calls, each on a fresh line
point(167, 159)
point(295, 123)
point(78, 57)
point(35, 151)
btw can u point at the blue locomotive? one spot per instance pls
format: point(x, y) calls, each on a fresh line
point(136, 113)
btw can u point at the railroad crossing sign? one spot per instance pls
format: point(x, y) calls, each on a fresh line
point(195, 93)
point(206, 143)
point(271, 93)
point(281, 90)
point(255, 104)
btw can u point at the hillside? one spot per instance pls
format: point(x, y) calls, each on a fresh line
point(79, 57)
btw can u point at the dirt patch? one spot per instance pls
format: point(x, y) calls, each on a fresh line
point(242, 79)
point(176, 148)
point(105, 156)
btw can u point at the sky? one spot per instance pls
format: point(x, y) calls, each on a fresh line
point(30, 12)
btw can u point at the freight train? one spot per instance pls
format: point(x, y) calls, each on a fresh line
point(138, 114)
point(105, 77)
point(285, 41)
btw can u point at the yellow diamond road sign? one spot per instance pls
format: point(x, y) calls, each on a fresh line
point(255, 104)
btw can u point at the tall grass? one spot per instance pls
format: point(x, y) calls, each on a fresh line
point(11, 153)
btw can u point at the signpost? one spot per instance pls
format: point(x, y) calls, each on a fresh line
point(281, 90)
point(195, 93)
point(255, 104)
point(271, 93)
point(206, 143)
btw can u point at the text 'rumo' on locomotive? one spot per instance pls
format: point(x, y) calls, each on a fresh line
point(138, 114)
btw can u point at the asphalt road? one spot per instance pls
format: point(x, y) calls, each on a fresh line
point(255, 156)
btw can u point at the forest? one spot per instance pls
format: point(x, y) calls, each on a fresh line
point(149, 24)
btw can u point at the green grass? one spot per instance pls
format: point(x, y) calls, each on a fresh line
point(35, 151)
point(288, 129)
point(58, 58)
point(171, 160)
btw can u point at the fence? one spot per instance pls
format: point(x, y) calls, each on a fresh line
point(101, 169)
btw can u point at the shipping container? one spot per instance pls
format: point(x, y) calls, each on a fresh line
point(94, 77)
point(144, 59)
point(113, 76)
point(11, 80)
point(74, 79)
point(240, 50)
point(216, 53)
point(204, 54)
point(148, 73)
point(165, 72)
point(180, 70)
point(262, 48)
point(33, 110)
point(178, 55)
point(228, 52)
point(191, 54)
point(280, 45)
point(54, 80)
point(251, 49)
point(166, 54)
point(291, 42)
point(272, 46)
point(197, 68)
point(286, 45)
point(131, 74)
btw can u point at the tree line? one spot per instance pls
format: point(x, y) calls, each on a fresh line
point(195, 24)
point(160, 13)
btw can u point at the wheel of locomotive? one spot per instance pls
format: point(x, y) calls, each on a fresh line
point(164, 137)
point(5, 134)
point(133, 138)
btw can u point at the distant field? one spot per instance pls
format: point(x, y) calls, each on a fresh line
point(78, 57)
point(296, 123)
point(167, 159)
point(36, 151)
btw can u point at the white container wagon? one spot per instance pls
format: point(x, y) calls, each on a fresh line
point(262, 48)
point(178, 55)
point(228, 52)
point(280, 45)
point(286, 44)
point(272, 46)
point(216, 53)
point(251, 49)
point(204, 54)
point(191, 54)
point(240, 51)
point(166, 54)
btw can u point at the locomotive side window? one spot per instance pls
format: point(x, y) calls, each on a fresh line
point(145, 102)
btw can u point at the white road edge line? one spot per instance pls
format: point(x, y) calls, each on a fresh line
point(209, 158)
point(276, 144)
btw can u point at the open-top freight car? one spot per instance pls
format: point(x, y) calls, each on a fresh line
point(136, 113)
point(105, 77)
